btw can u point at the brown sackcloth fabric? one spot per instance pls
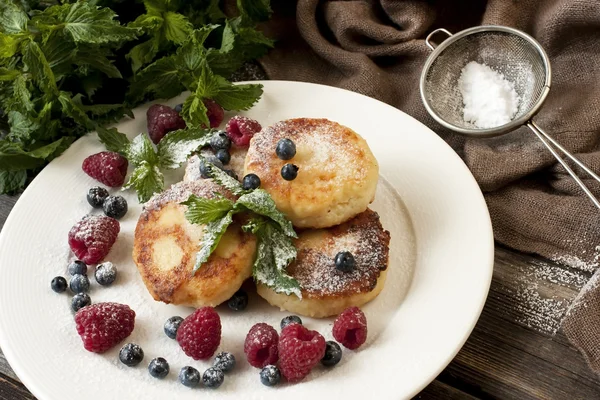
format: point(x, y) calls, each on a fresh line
point(377, 48)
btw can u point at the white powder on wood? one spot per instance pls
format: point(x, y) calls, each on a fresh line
point(490, 100)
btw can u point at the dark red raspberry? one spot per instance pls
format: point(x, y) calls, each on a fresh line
point(299, 351)
point(241, 129)
point(107, 167)
point(103, 325)
point(214, 112)
point(350, 328)
point(162, 120)
point(261, 345)
point(92, 237)
point(199, 334)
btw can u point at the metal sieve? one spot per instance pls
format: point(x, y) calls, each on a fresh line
point(513, 53)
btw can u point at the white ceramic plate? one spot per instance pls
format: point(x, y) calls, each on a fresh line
point(439, 274)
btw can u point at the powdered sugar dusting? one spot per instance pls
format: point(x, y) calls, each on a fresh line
point(183, 190)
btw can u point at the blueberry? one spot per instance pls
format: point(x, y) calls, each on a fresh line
point(96, 196)
point(270, 375)
point(115, 207)
point(289, 172)
point(219, 141)
point(106, 273)
point(286, 149)
point(79, 283)
point(77, 267)
point(158, 368)
point(80, 300)
point(189, 376)
point(231, 173)
point(213, 378)
point(239, 301)
point(333, 354)
point(290, 319)
point(204, 170)
point(344, 261)
point(251, 182)
point(59, 284)
point(224, 361)
point(223, 156)
point(178, 108)
point(172, 325)
point(131, 354)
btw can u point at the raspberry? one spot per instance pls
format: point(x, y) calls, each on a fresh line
point(162, 120)
point(199, 334)
point(214, 112)
point(106, 167)
point(241, 129)
point(350, 328)
point(92, 237)
point(299, 350)
point(103, 325)
point(261, 345)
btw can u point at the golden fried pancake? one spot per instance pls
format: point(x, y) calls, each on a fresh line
point(166, 244)
point(337, 174)
point(327, 291)
point(238, 157)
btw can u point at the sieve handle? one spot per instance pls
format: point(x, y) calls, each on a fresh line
point(428, 38)
point(547, 140)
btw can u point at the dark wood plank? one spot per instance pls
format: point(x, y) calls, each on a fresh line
point(11, 389)
point(6, 204)
point(439, 390)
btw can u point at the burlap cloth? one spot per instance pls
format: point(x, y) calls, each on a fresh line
point(377, 48)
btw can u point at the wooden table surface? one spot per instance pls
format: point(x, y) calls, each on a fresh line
point(516, 350)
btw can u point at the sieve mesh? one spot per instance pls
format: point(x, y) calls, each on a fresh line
point(513, 56)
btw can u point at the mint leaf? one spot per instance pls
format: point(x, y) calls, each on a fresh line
point(260, 202)
point(12, 18)
point(59, 52)
point(256, 10)
point(21, 125)
point(274, 252)
point(38, 66)
point(113, 140)
point(203, 211)
point(213, 232)
point(191, 53)
point(141, 150)
point(207, 85)
point(176, 147)
point(147, 180)
point(21, 99)
point(177, 28)
point(72, 109)
point(8, 45)
point(8, 74)
point(194, 112)
point(97, 59)
point(220, 177)
point(13, 157)
point(237, 97)
point(143, 53)
point(12, 181)
point(160, 78)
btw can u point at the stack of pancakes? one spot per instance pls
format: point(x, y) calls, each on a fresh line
point(327, 204)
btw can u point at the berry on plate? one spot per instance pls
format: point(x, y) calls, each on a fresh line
point(204, 172)
point(289, 172)
point(161, 120)
point(350, 328)
point(92, 237)
point(115, 207)
point(290, 319)
point(286, 149)
point(199, 334)
point(171, 326)
point(131, 354)
point(241, 129)
point(344, 261)
point(220, 141)
point(250, 182)
point(79, 301)
point(158, 368)
point(96, 196)
point(260, 345)
point(224, 361)
point(223, 156)
point(239, 301)
point(106, 167)
point(299, 351)
point(213, 378)
point(77, 267)
point(106, 273)
point(214, 112)
point(333, 354)
point(58, 284)
point(189, 376)
point(103, 325)
point(79, 284)
point(270, 375)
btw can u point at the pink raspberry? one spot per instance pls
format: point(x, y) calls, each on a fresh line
point(92, 237)
point(103, 325)
point(214, 112)
point(161, 120)
point(199, 334)
point(299, 351)
point(107, 167)
point(241, 129)
point(350, 328)
point(260, 345)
